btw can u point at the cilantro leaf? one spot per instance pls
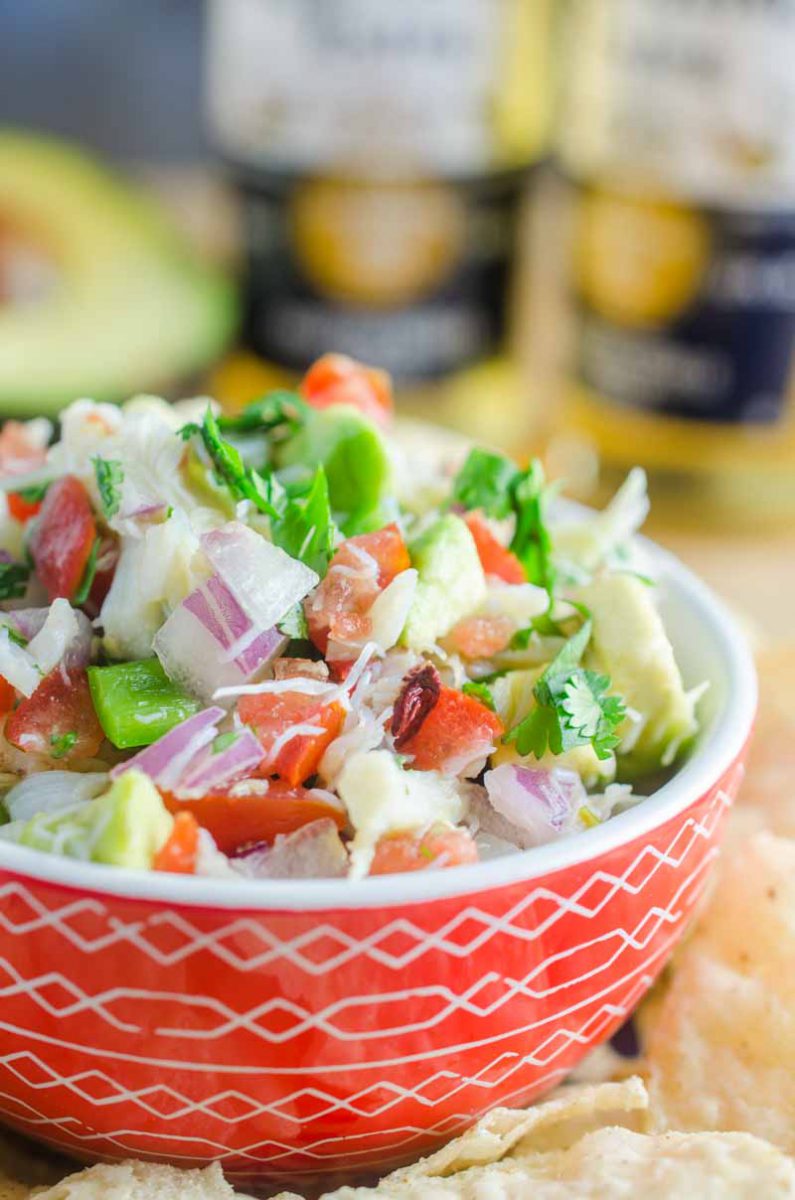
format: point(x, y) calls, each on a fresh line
point(109, 473)
point(243, 482)
point(33, 494)
point(304, 527)
point(81, 595)
point(485, 482)
point(14, 578)
point(62, 743)
point(280, 409)
point(293, 624)
point(544, 625)
point(531, 542)
point(15, 636)
point(590, 713)
point(224, 741)
point(480, 691)
point(572, 707)
point(494, 484)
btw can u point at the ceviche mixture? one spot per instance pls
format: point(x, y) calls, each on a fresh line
point(288, 644)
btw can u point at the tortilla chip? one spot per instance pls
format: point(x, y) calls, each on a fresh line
point(140, 1181)
point(770, 783)
point(11, 1190)
point(610, 1163)
point(719, 1039)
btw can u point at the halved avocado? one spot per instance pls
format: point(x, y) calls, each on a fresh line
point(119, 303)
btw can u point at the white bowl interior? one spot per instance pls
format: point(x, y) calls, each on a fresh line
point(709, 646)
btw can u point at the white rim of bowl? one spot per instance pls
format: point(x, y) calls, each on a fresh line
point(699, 773)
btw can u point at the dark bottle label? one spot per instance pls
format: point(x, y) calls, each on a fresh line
point(685, 311)
point(412, 276)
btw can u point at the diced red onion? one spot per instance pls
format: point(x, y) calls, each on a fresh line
point(51, 791)
point(166, 759)
point(56, 636)
point(315, 851)
point(27, 621)
point(224, 632)
point(221, 615)
point(208, 642)
point(5, 556)
point(146, 514)
point(265, 581)
point(541, 804)
point(213, 768)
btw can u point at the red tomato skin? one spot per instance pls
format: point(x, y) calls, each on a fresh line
point(438, 847)
point(60, 705)
point(238, 821)
point(480, 637)
point(7, 696)
point(495, 558)
point(63, 539)
point(388, 549)
point(454, 725)
point(21, 509)
point(179, 853)
point(18, 455)
point(338, 379)
point(269, 715)
point(339, 607)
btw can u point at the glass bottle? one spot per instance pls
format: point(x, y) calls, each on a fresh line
point(676, 139)
point(381, 154)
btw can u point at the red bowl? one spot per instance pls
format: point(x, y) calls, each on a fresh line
point(292, 1030)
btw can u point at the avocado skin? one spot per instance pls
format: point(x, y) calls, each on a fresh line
point(133, 308)
point(451, 582)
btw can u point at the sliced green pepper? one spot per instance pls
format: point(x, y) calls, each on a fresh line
point(137, 703)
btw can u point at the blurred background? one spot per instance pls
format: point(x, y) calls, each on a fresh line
point(565, 226)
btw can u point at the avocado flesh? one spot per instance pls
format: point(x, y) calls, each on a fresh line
point(131, 307)
point(629, 643)
point(356, 461)
point(450, 584)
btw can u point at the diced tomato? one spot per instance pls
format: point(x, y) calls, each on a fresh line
point(107, 561)
point(388, 549)
point(271, 715)
point(7, 696)
point(64, 537)
point(438, 847)
point(495, 558)
point(58, 720)
point(480, 637)
point(341, 670)
point(457, 731)
point(21, 509)
point(361, 568)
point(178, 854)
point(337, 379)
point(18, 452)
point(236, 821)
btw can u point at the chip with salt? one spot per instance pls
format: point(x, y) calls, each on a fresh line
point(139, 1181)
point(575, 1147)
point(719, 1037)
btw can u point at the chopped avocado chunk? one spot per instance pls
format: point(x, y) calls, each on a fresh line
point(132, 305)
point(124, 828)
point(629, 643)
point(355, 458)
point(451, 582)
point(137, 703)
